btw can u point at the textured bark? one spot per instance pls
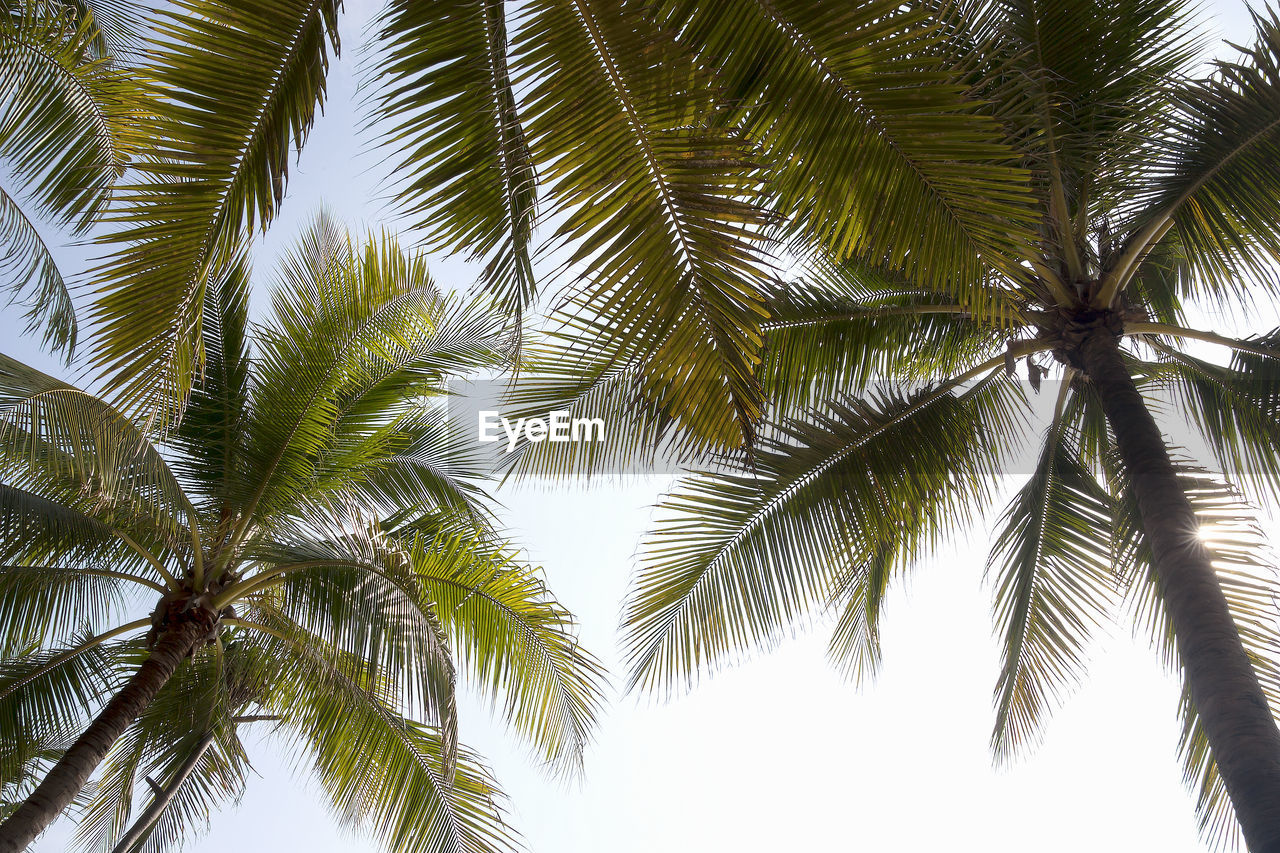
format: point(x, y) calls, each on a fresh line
point(1223, 684)
point(162, 799)
point(77, 764)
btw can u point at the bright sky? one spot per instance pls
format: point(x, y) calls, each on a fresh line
point(777, 753)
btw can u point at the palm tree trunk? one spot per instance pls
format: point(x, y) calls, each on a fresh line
point(77, 764)
point(1223, 684)
point(162, 798)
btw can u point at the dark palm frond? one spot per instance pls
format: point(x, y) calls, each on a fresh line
point(447, 95)
point(1215, 182)
point(209, 443)
point(1235, 409)
point(240, 83)
point(661, 212)
point(1246, 572)
point(743, 554)
point(120, 25)
point(1054, 586)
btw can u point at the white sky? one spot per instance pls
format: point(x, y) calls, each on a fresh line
point(776, 753)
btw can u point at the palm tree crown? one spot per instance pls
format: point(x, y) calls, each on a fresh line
point(316, 549)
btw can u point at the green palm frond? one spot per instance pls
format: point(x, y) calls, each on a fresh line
point(28, 269)
point(1215, 183)
point(208, 444)
point(745, 553)
point(880, 151)
point(1246, 571)
point(69, 446)
point(516, 641)
point(355, 337)
point(48, 604)
point(241, 83)
point(449, 100)
point(67, 131)
point(67, 116)
point(1054, 586)
point(435, 469)
point(46, 696)
point(384, 774)
point(357, 595)
point(661, 212)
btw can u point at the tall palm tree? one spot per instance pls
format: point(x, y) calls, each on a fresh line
point(1144, 191)
point(312, 505)
point(69, 110)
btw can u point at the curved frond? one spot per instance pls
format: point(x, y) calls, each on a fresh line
point(745, 553)
point(46, 697)
point(67, 116)
point(516, 641)
point(448, 98)
point(1054, 586)
point(239, 83)
point(356, 336)
point(72, 448)
point(384, 774)
point(29, 271)
point(662, 211)
point(1215, 184)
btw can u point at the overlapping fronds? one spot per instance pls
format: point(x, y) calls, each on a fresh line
point(71, 447)
point(876, 149)
point(46, 695)
point(241, 82)
point(356, 594)
point(745, 554)
point(1214, 182)
point(384, 774)
point(356, 337)
point(844, 326)
point(68, 117)
point(660, 213)
point(585, 372)
point(207, 447)
point(451, 111)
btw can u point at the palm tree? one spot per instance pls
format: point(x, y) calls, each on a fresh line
point(313, 507)
point(68, 116)
point(1143, 191)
